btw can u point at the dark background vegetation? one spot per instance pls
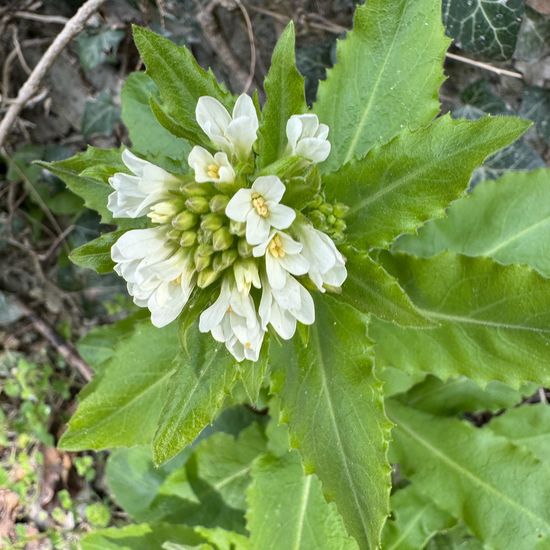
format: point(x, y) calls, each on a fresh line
point(48, 497)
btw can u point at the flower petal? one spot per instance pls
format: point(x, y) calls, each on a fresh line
point(257, 228)
point(134, 163)
point(244, 107)
point(313, 149)
point(295, 264)
point(281, 216)
point(242, 134)
point(212, 116)
point(276, 274)
point(271, 188)
point(239, 206)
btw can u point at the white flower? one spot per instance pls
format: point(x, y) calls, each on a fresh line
point(282, 308)
point(307, 138)
point(282, 256)
point(326, 264)
point(159, 275)
point(134, 195)
point(235, 134)
point(246, 274)
point(207, 167)
point(232, 320)
point(259, 207)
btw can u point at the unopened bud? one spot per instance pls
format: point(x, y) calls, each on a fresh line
point(204, 237)
point(228, 257)
point(319, 220)
point(245, 250)
point(331, 219)
point(195, 189)
point(164, 211)
point(218, 203)
point(206, 277)
point(340, 210)
point(184, 220)
point(326, 208)
point(212, 222)
point(316, 202)
point(340, 226)
point(188, 238)
point(203, 256)
point(197, 204)
point(222, 239)
point(174, 234)
point(237, 228)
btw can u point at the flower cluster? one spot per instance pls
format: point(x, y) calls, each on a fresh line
point(223, 224)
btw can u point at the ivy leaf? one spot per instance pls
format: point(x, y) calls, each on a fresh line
point(535, 105)
point(382, 82)
point(493, 320)
point(286, 508)
point(333, 404)
point(532, 40)
point(205, 374)
point(97, 48)
point(415, 519)
point(400, 185)
point(518, 206)
point(369, 288)
point(96, 254)
point(472, 474)
point(100, 115)
point(148, 137)
point(284, 88)
point(180, 81)
point(483, 27)
point(134, 380)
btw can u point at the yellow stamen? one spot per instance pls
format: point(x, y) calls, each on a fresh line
point(260, 205)
point(213, 171)
point(275, 247)
point(177, 280)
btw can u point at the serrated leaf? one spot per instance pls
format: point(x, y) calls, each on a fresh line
point(484, 27)
point(96, 254)
point(535, 105)
point(370, 289)
point(527, 426)
point(285, 96)
point(179, 79)
point(415, 519)
point(148, 136)
point(100, 115)
point(253, 376)
point(473, 474)
point(332, 402)
point(494, 321)
point(517, 207)
point(286, 509)
point(205, 374)
point(134, 380)
point(399, 186)
point(382, 82)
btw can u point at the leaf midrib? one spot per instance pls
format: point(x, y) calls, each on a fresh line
point(302, 513)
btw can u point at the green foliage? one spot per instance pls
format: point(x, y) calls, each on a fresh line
point(535, 105)
point(368, 99)
point(100, 115)
point(95, 48)
point(96, 254)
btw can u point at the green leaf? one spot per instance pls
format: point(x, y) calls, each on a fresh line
point(223, 539)
point(148, 137)
point(134, 380)
point(399, 186)
point(332, 402)
point(473, 474)
point(204, 376)
point(532, 40)
point(253, 376)
point(179, 79)
point(96, 254)
point(414, 520)
point(457, 538)
point(484, 28)
point(535, 105)
point(369, 288)
point(493, 319)
point(100, 115)
point(284, 89)
point(518, 207)
point(141, 537)
point(286, 509)
point(527, 426)
point(97, 48)
point(382, 81)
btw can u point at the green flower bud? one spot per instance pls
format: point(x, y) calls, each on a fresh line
point(164, 211)
point(204, 250)
point(195, 189)
point(331, 219)
point(188, 238)
point(204, 236)
point(203, 256)
point(222, 239)
point(174, 234)
point(228, 257)
point(237, 228)
point(326, 208)
point(184, 220)
point(212, 222)
point(245, 250)
point(197, 204)
point(316, 201)
point(218, 203)
point(340, 226)
point(319, 220)
point(340, 210)
point(206, 277)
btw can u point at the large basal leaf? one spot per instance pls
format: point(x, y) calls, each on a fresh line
point(488, 28)
point(507, 219)
point(399, 186)
point(332, 402)
point(204, 376)
point(414, 520)
point(286, 509)
point(473, 474)
point(148, 137)
point(180, 81)
point(384, 80)
point(371, 289)
point(494, 321)
point(136, 379)
point(284, 89)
